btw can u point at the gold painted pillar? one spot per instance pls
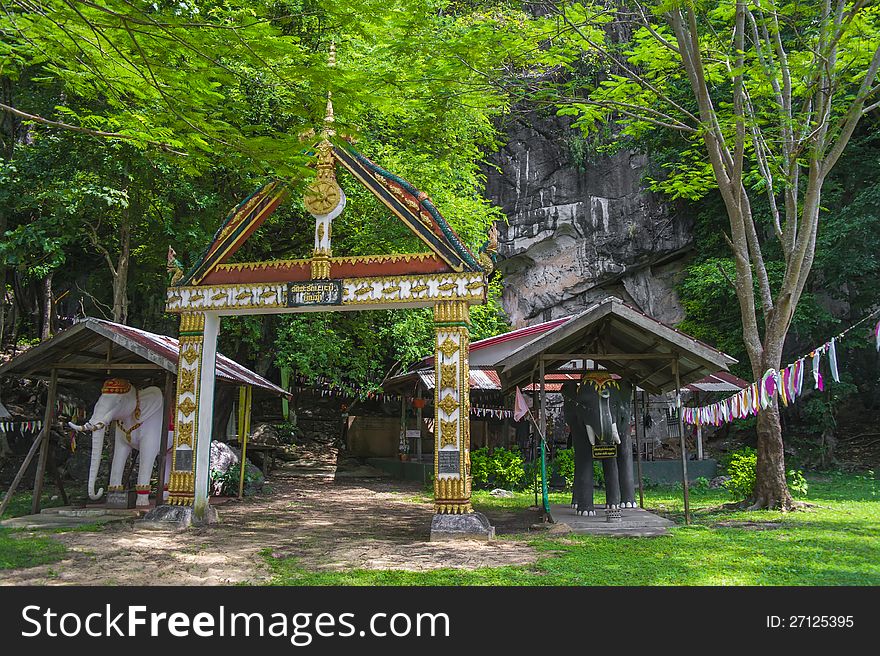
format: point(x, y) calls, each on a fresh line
point(181, 484)
point(452, 462)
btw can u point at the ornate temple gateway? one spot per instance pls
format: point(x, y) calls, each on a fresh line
point(447, 276)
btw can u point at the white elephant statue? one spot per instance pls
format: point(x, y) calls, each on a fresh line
point(139, 425)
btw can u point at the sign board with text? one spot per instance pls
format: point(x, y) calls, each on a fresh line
point(314, 292)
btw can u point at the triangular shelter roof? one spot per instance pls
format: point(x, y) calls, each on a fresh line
point(88, 349)
point(635, 346)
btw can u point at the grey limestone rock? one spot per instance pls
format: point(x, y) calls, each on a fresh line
point(577, 235)
point(469, 526)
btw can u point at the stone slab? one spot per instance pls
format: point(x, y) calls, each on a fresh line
point(470, 526)
point(634, 522)
point(67, 518)
point(177, 517)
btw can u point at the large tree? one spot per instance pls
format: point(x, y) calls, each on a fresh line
point(764, 97)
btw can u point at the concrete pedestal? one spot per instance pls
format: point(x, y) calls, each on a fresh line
point(178, 517)
point(121, 499)
point(471, 526)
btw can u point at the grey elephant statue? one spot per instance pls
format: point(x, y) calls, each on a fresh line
point(598, 413)
point(138, 417)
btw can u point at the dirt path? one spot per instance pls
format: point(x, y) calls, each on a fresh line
point(325, 523)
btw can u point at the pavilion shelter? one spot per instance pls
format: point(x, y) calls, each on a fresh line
point(622, 340)
point(81, 357)
point(489, 410)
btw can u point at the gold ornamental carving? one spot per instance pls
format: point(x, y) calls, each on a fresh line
point(192, 322)
point(190, 354)
point(451, 311)
point(448, 405)
point(452, 496)
point(448, 432)
point(320, 267)
point(322, 197)
point(448, 347)
point(449, 376)
point(185, 434)
point(187, 381)
point(187, 407)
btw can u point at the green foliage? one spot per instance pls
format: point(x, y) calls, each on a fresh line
point(740, 467)
point(502, 468)
point(701, 483)
point(480, 467)
point(226, 483)
point(563, 465)
point(198, 119)
point(797, 483)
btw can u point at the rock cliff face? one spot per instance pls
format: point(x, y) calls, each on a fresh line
point(576, 236)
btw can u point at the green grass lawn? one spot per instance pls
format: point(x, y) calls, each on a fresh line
point(837, 542)
point(27, 551)
point(18, 550)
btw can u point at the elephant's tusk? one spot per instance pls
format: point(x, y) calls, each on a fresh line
point(591, 434)
point(76, 427)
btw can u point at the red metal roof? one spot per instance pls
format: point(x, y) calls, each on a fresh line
point(537, 329)
point(168, 347)
point(519, 333)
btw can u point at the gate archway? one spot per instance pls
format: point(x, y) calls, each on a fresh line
point(447, 277)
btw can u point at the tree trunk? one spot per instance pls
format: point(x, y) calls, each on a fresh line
point(9, 129)
point(46, 318)
point(771, 488)
point(120, 279)
point(2, 283)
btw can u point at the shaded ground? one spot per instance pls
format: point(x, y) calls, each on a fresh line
point(325, 524)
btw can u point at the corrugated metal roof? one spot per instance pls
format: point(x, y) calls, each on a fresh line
point(520, 333)
point(86, 342)
point(537, 329)
point(721, 381)
point(480, 379)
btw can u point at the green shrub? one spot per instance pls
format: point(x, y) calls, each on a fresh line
point(796, 482)
point(741, 467)
point(226, 483)
point(563, 465)
point(480, 467)
point(503, 468)
point(701, 483)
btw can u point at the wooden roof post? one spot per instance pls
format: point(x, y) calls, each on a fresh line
point(48, 418)
point(684, 467)
point(544, 493)
point(636, 412)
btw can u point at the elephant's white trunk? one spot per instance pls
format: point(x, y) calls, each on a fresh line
point(86, 427)
point(97, 448)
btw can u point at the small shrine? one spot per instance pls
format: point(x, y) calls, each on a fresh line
point(447, 276)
